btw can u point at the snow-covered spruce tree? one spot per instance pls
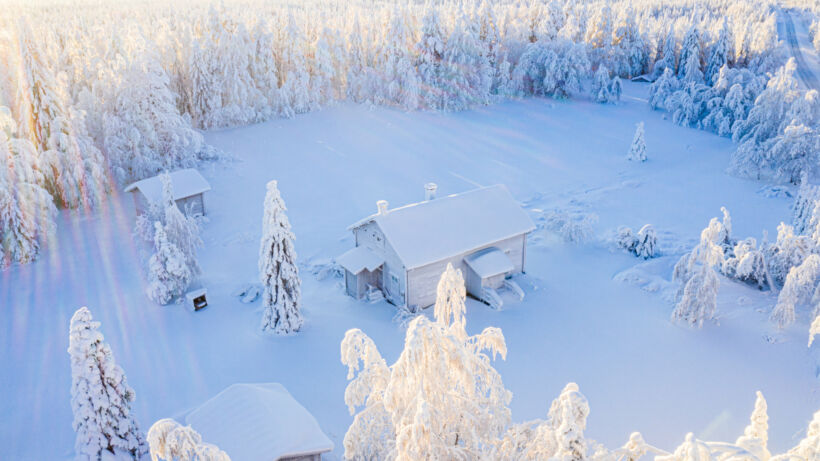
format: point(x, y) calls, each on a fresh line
point(765, 121)
point(429, 61)
point(662, 88)
point(182, 231)
point(400, 83)
point(789, 250)
point(689, 54)
point(794, 152)
point(747, 263)
point(643, 245)
point(168, 272)
point(171, 441)
point(143, 133)
point(264, 72)
point(466, 71)
point(278, 272)
point(72, 166)
point(560, 436)
point(100, 395)
point(26, 209)
point(697, 296)
point(721, 53)
point(441, 399)
point(637, 150)
point(756, 435)
point(600, 86)
point(615, 89)
point(295, 84)
point(799, 287)
point(575, 228)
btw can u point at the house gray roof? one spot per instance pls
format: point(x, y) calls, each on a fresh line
point(426, 232)
point(187, 183)
point(252, 422)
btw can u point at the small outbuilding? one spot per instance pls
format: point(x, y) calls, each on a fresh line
point(401, 253)
point(189, 192)
point(259, 422)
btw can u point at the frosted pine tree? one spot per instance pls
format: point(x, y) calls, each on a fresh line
point(756, 436)
point(600, 85)
point(637, 150)
point(26, 209)
point(143, 133)
point(615, 89)
point(689, 51)
point(662, 88)
point(182, 231)
point(278, 272)
point(721, 54)
point(100, 395)
point(171, 441)
point(296, 85)
point(264, 72)
point(72, 166)
point(809, 447)
point(400, 83)
point(698, 301)
point(799, 287)
point(429, 61)
point(168, 271)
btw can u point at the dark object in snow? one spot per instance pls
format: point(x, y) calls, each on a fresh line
point(197, 299)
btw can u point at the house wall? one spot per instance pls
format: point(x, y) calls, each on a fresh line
point(371, 237)
point(192, 206)
point(312, 457)
point(422, 281)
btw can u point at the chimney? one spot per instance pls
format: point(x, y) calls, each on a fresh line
point(382, 207)
point(430, 191)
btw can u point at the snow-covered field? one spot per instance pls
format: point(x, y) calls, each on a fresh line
point(578, 322)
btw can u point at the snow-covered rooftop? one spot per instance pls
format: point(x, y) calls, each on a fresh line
point(359, 258)
point(258, 422)
point(489, 262)
point(433, 230)
point(187, 182)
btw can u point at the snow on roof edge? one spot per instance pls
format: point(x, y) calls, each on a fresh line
point(187, 182)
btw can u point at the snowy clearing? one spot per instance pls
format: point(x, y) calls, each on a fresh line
point(579, 322)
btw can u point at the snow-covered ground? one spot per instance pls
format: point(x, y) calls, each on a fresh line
point(579, 322)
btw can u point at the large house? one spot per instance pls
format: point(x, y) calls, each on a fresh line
point(401, 253)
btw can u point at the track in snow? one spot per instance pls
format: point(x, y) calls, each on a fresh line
point(808, 77)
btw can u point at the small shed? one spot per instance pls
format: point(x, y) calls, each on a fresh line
point(403, 252)
point(189, 192)
point(260, 422)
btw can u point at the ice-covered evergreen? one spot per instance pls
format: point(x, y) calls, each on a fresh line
point(168, 272)
point(799, 288)
point(637, 150)
point(26, 209)
point(100, 396)
point(182, 231)
point(755, 437)
point(278, 272)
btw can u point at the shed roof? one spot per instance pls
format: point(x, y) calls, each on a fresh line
point(357, 259)
point(187, 183)
point(258, 422)
point(426, 232)
point(489, 262)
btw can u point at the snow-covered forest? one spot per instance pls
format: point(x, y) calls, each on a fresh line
point(110, 97)
point(666, 151)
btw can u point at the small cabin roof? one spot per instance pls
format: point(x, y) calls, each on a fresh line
point(489, 262)
point(187, 183)
point(429, 231)
point(357, 259)
point(253, 422)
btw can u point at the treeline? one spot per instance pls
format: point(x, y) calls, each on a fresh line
point(109, 94)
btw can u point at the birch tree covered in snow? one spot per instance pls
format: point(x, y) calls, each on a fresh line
point(441, 399)
point(100, 395)
point(278, 272)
